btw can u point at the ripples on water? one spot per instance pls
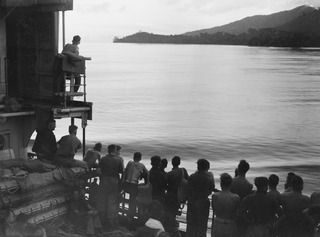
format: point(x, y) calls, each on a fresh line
point(223, 103)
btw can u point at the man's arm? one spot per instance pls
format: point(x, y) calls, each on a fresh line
point(145, 175)
point(73, 56)
point(125, 173)
point(121, 166)
point(68, 51)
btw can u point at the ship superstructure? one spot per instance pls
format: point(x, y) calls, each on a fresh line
point(32, 72)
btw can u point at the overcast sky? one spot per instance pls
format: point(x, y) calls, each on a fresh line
point(101, 20)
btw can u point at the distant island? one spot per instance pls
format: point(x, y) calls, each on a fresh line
point(299, 27)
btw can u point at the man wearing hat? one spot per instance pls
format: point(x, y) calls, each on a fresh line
point(111, 166)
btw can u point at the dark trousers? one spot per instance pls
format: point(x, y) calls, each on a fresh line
point(77, 82)
point(132, 189)
point(197, 218)
point(171, 210)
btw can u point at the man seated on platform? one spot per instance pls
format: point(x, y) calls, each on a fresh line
point(45, 144)
point(72, 52)
point(68, 146)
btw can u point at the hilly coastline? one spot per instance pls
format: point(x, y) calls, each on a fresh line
point(298, 27)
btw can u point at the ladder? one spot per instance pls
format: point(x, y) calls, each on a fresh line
point(73, 78)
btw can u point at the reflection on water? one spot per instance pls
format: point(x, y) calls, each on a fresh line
point(223, 103)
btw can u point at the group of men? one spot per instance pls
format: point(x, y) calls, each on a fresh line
point(47, 148)
point(240, 211)
point(237, 209)
point(165, 189)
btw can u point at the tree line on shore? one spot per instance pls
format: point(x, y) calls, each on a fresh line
point(253, 37)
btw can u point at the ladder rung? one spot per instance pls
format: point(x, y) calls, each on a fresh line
point(69, 93)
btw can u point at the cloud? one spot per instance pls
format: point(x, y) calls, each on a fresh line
point(96, 6)
point(99, 18)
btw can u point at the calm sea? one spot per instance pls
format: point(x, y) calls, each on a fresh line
point(222, 103)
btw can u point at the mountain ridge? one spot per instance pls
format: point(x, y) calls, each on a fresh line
point(257, 21)
point(298, 27)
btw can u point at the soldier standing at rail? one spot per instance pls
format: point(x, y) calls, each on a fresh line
point(93, 156)
point(201, 185)
point(259, 210)
point(134, 171)
point(225, 206)
point(294, 223)
point(157, 179)
point(240, 184)
point(111, 166)
point(172, 204)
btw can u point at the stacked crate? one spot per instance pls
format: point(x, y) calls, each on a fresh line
point(37, 189)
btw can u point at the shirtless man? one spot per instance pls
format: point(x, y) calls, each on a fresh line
point(273, 183)
point(225, 205)
point(259, 210)
point(240, 184)
point(294, 223)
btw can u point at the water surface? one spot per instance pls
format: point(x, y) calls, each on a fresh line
point(222, 103)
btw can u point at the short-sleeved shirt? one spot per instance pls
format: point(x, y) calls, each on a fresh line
point(68, 146)
point(134, 171)
point(201, 185)
point(111, 166)
point(241, 186)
